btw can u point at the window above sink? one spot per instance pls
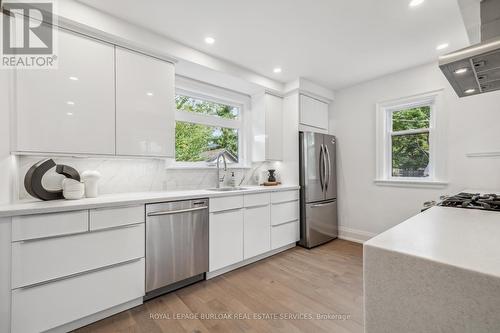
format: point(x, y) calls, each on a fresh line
point(209, 120)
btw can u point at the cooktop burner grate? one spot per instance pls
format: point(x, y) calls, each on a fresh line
point(473, 201)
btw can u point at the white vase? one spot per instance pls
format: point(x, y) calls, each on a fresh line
point(91, 180)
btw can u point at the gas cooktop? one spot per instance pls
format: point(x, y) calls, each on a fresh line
point(472, 201)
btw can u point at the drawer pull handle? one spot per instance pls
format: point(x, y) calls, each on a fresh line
point(227, 210)
point(78, 274)
point(170, 212)
point(79, 233)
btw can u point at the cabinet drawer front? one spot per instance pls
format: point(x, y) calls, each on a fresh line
point(43, 260)
point(257, 231)
point(284, 234)
point(284, 212)
point(225, 239)
point(113, 217)
point(50, 305)
point(259, 199)
point(226, 203)
point(48, 225)
point(277, 197)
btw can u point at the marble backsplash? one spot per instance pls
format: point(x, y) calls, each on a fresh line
point(137, 175)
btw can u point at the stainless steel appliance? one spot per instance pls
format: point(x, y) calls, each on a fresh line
point(318, 189)
point(482, 201)
point(476, 69)
point(176, 245)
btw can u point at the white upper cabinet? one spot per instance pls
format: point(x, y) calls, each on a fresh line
point(71, 108)
point(267, 128)
point(145, 105)
point(313, 113)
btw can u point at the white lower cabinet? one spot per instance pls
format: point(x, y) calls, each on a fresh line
point(284, 212)
point(49, 225)
point(43, 307)
point(46, 259)
point(284, 234)
point(87, 262)
point(257, 231)
point(225, 238)
point(246, 226)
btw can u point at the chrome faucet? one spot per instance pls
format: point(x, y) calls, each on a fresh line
point(219, 178)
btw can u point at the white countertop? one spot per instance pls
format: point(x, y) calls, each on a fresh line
point(464, 238)
point(40, 207)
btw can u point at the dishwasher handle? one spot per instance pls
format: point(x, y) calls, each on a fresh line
point(170, 212)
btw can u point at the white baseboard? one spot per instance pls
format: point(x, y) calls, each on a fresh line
point(213, 274)
point(355, 235)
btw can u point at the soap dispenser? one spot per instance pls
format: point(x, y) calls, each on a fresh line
point(232, 181)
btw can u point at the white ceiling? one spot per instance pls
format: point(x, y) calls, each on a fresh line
point(336, 43)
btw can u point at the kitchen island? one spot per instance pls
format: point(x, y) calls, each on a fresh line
point(438, 271)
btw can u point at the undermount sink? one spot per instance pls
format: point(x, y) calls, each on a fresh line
point(227, 189)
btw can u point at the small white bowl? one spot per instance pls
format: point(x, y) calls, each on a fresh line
point(73, 189)
point(74, 195)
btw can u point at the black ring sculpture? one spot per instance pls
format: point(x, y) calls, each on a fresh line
point(33, 179)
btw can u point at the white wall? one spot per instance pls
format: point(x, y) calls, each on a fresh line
point(473, 126)
point(5, 159)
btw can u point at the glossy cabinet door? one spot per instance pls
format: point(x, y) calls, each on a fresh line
point(257, 231)
point(71, 108)
point(145, 105)
point(274, 128)
point(313, 112)
point(267, 128)
point(225, 238)
point(63, 301)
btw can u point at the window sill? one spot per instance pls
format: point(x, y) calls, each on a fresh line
point(411, 183)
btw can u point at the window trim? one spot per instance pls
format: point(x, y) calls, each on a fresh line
point(384, 111)
point(205, 91)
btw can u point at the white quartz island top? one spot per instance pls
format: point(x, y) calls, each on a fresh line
point(465, 238)
point(438, 271)
point(40, 207)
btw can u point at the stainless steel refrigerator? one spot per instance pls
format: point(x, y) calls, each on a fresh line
point(318, 189)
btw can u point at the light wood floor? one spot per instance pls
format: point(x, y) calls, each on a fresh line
point(326, 280)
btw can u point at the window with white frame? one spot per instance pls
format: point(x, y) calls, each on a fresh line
point(407, 142)
point(207, 125)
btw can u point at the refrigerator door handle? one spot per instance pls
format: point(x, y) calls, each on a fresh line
point(321, 165)
point(325, 186)
point(327, 181)
point(324, 204)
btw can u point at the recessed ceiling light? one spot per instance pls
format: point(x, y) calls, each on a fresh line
point(70, 103)
point(442, 46)
point(149, 93)
point(461, 70)
point(277, 70)
point(470, 91)
point(73, 78)
point(415, 3)
point(209, 40)
point(69, 113)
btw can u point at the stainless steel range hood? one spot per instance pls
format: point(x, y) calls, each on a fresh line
point(476, 69)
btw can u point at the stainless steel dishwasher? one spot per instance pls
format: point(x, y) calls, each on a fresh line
point(176, 245)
